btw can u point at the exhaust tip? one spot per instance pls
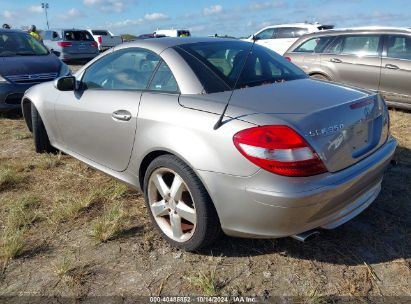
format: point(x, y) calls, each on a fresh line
point(302, 237)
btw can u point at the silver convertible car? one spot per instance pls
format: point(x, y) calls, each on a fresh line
point(221, 136)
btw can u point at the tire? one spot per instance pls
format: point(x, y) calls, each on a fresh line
point(41, 139)
point(320, 77)
point(191, 197)
point(26, 109)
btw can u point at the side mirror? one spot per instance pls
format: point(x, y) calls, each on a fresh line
point(57, 53)
point(66, 83)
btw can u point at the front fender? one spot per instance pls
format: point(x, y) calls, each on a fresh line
point(43, 96)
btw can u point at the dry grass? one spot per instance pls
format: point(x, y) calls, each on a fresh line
point(63, 266)
point(12, 242)
point(22, 212)
point(110, 224)
point(206, 282)
point(22, 135)
point(49, 161)
point(21, 215)
point(9, 178)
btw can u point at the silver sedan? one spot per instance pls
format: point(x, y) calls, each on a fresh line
point(221, 136)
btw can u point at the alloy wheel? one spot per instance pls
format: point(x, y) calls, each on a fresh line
point(172, 204)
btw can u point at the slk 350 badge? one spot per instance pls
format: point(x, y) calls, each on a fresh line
point(326, 131)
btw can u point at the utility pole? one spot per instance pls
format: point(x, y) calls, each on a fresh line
point(45, 6)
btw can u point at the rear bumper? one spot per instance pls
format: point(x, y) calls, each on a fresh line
point(69, 56)
point(266, 205)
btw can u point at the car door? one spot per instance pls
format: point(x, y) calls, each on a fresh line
point(160, 98)
point(355, 60)
point(396, 69)
point(98, 121)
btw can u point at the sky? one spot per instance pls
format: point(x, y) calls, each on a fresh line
point(203, 17)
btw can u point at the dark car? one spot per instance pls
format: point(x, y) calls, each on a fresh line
point(24, 62)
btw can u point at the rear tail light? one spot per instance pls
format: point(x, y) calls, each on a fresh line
point(94, 44)
point(287, 58)
point(64, 44)
point(280, 150)
point(99, 39)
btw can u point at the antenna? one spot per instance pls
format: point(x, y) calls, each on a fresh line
point(219, 122)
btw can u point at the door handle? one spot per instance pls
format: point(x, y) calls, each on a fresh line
point(122, 115)
point(335, 60)
point(392, 67)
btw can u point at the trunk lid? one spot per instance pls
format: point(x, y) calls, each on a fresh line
point(342, 124)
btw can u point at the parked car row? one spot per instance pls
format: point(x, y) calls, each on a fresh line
point(280, 37)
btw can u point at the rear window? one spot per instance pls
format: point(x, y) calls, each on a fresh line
point(77, 36)
point(314, 45)
point(183, 34)
point(100, 33)
point(225, 60)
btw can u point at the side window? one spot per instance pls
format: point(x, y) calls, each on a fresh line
point(266, 34)
point(47, 35)
point(129, 69)
point(361, 45)
point(55, 36)
point(290, 32)
point(334, 47)
point(314, 45)
point(399, 47)
point(164, 80)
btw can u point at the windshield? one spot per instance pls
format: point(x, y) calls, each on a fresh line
point(226, 59)
point(20, 44)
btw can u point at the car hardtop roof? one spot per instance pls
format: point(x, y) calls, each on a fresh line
point(382, 29)
point(300, 24)
point(159, 45)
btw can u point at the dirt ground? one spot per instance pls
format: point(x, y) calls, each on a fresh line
point(68, 230)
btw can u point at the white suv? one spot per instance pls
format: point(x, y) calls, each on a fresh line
point(280, 37)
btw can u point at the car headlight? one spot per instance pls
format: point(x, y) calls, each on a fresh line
point(64, 70)
point(2, 80)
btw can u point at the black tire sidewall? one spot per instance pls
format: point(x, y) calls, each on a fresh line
point(41, 139)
